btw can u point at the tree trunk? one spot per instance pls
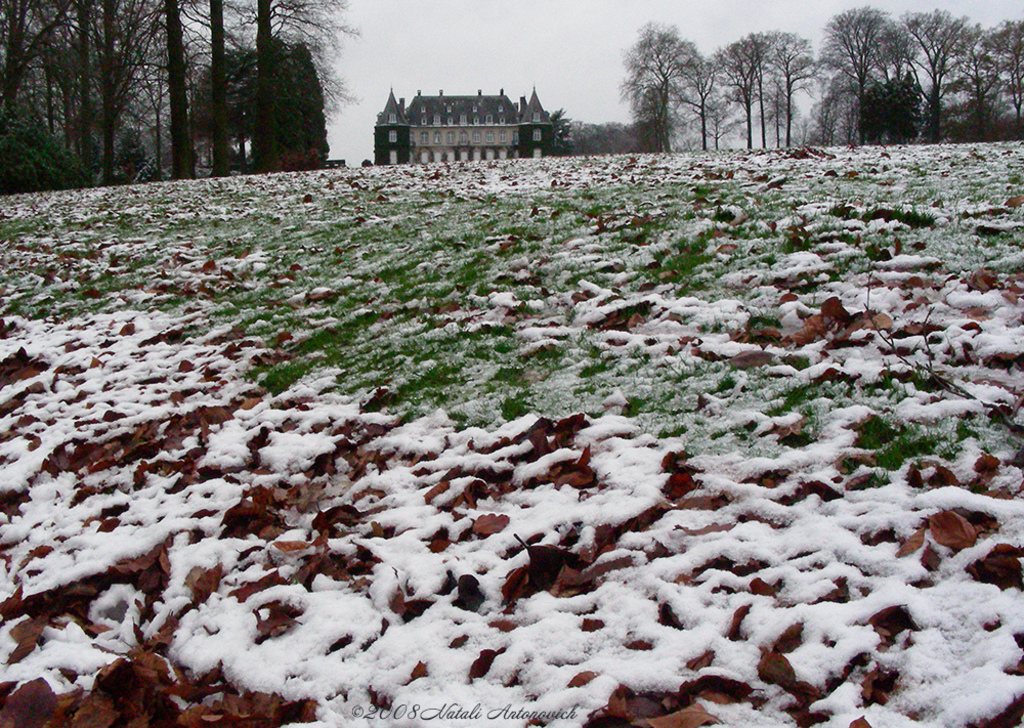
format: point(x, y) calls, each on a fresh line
point(181, 147)
point(108, 105)
point(218, 90)
point(84, 8)
point(265, 133)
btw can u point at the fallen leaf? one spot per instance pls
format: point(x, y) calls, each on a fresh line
point(490, 523)
point(30, 706)
point(483, 663)
point(691, 717)
point(913, 543)
point(1001, 567)
point(950, 529)
point(582, 678)
point(26, 633)
point(752, 359)
point(860, 723)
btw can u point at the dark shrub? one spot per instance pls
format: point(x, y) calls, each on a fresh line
point(31, 160)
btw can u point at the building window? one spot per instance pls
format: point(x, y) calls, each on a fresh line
point(451, 137)
point(424, 137)
point(490, 137)
point(501, 120)
point(437, 120)
point(476, 137)
point(476, 120)
point(537, 136)
point(463, 138)
point(536, 117)
point(437, 137)
point(392, 136)
point(501, 110)
point(504, 137)
point(490, 119)
point(463, 119)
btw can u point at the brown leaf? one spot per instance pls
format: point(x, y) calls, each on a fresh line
point(699, 662)
point(483, 663)
point(950, 529)
point(752, 359)
point(203, 582)
point(490, 523)
point(738, 616)
point(833, 310)
point(890, 621)
point(860, 723)
point(30, 706)
point(26, 634)
point(814, 329)
point(691, 717)
point(790, 639)
point(581, 679)
point(913, 543)
point(775, 669)
point(1001, 567)
point(97, 711)
point(419, 671)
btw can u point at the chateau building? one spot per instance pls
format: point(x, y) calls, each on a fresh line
point(461, 129)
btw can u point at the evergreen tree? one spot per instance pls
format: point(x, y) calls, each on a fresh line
point(890, 112)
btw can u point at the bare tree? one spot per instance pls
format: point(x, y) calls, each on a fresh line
point(740, 64)
point(978, 81)
point(701, 81)
point(1009, 45)
point(853, 41)
point(940, 38)
point(25, 29)
point(125, 33)
point(794, 68)
point(656, 82)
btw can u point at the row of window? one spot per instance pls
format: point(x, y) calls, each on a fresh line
point(463, 137)
point(463, 120)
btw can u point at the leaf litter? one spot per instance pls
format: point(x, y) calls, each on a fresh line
point(725, 439)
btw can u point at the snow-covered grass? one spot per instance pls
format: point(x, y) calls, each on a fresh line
point(272, 446)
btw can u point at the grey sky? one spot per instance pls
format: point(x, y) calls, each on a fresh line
point(571, 50)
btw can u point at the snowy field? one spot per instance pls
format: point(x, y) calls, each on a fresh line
point(654, 441)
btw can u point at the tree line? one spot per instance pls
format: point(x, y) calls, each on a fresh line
point(926, 76)
point(104, 90)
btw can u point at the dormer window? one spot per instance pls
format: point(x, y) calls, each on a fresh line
point(501, 109)
point(536, 117)
point(463, 120)
point(490, 119)
point(450, 121)
point(392, 119)
point(501, 120)
point(437, 120)
point(474, 108)
point(476, 120)
point(423, 121)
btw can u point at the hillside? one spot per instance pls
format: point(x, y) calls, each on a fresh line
point(604, 442)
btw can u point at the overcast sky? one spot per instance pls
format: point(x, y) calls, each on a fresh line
point(570, 50)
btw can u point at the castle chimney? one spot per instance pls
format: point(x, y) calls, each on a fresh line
point(479, 92)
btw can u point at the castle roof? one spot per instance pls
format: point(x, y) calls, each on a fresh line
point(423, 109)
